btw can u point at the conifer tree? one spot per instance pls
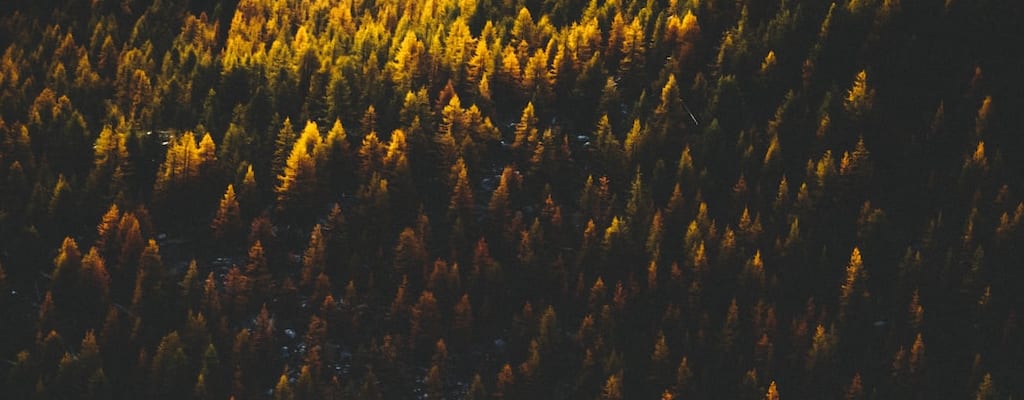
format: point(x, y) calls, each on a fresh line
point(505, 382)
point(169, 370)
point(297, 184)
point(986, 389)
point(859, 98)
point(853, 288)
point(283, 144)
point(612, 388)
point(772, 393)
point(227, 223)
point(314, 259)
point(424, 319)
point(462, 323)
point(283, 390)
point(609, 150)
point(370, 389)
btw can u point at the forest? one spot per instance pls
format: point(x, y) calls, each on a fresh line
point(511, 199)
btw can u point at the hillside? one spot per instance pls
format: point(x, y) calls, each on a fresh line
point(479, 199)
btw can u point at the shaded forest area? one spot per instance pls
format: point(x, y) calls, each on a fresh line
point(479, 199)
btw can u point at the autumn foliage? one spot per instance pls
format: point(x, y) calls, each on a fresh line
point(338, 199)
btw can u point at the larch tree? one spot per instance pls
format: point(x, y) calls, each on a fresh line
point(66, 285)
point(206, 154)
point(730, 328)
point(820, 355)
point(424, 320)
point(227, 223)
point(61, 201)
point(110, 156)
point(180, 166)
point(169, 377)
point(659, 356)
point(410, 252)
point(857, 164)
point(772, 393)
point(859, 98)
point(131, 241)
point(95, 284)
point(461, 203)
point(370, 389)
point(336, 165)
point(248, 196)
point(210, 302)
point(406, 68)
point(500, 205)
point(191, 286)
point(258, 271)
point(612, 159)
point(917, 356)
point(435, 383)
point(639, 205)
point(283, 390)
point(283, 144)
point(67, 264)
point(855, 391)
point(636, 144)
point(297, 183)
point(752, 276)
point(633, 49)
point(616, 241)
point(371, 155)
point(509, 71)
point(986, 389)
point(612, 388)
point(981, 121)
point(106, 231)
point(505, 382)
point(768, 65)
point(149, 298)
point(526, 134)
point(683, 33)
point(314, 260)
point(477, 390)
point(237, 291)
point(853, 290)
point(462, 320)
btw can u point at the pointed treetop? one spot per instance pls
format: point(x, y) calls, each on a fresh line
point(773, 392)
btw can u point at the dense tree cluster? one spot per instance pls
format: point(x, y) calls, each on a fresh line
point(475, 199)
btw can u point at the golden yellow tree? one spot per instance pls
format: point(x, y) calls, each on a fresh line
point(860, 97)
point(297, 183)
point(228, 220)
point(853, 287)
point(772, 393)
